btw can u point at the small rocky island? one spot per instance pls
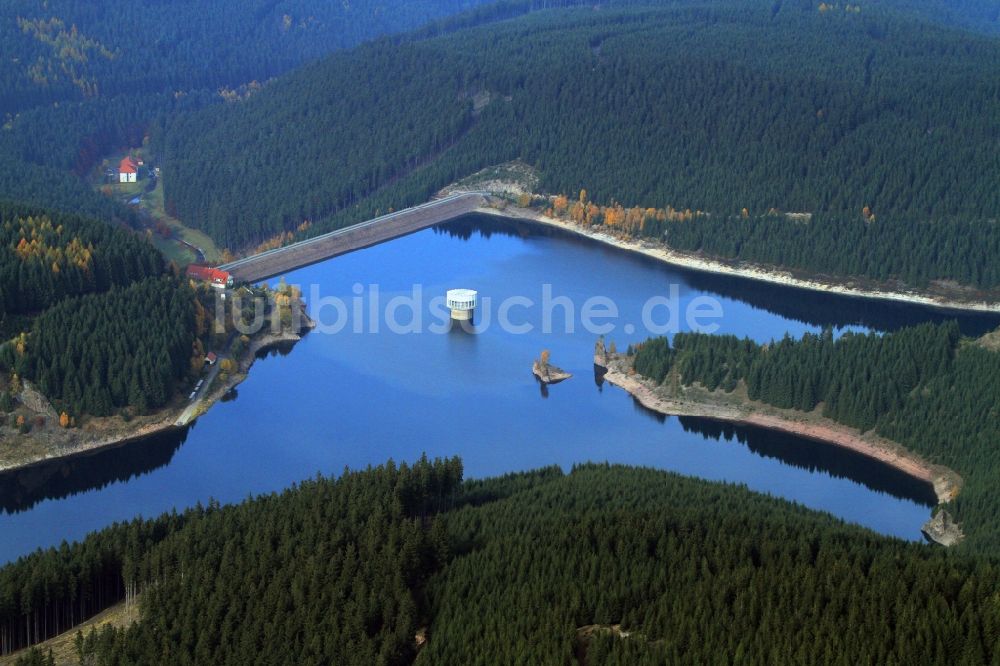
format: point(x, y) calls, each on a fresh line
point(546, 372)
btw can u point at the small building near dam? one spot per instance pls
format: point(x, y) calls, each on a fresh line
point(213, 276)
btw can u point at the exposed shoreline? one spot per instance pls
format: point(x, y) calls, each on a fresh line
point(744, 270)
point(945, 482)
point(165, 420)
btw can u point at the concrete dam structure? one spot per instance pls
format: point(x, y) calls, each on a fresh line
point(371, 232)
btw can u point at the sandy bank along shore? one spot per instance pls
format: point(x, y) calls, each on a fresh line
point(663, 253)
point(725, 407)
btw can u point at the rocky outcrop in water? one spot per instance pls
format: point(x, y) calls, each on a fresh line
point(943, 529)
point(600, 353)
point(546, 372)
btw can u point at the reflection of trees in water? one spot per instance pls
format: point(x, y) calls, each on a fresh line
point(599, 373)
point(640, 408)
point(22, 489)
point(283, 348)
point(815, 456)
point(807, 307)
point(486, 226)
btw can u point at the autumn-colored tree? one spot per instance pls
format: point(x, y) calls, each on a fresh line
point(613, 348)
point(560, 203)
point(614, 216)
point(745, 213)
point(583, 196)
point(524, 200)
point(543, 358)
point(64, 420)
point(593, 213)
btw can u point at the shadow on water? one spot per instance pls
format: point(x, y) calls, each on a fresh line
point(599, 372)
point(642, 409)
point(22, 489)
point(815, 456)
point(283, 348)
point(807, 307)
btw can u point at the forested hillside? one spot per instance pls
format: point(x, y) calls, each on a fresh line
point(979, 15)
point(80, 79)
point(865, 115)
point(125, 347)
point(90, 315)
point(924, 387)
point(914, 251)
point(46, 256)
point(74, 49)
point(529, 568)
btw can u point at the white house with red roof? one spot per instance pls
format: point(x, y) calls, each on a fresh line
point(128, 170)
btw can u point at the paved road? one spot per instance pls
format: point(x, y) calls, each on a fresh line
point(377, 230)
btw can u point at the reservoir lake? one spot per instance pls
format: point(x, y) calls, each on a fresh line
point(350, 400)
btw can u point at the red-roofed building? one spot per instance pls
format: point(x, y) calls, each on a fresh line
point(128, 170)
point(211, 358)
point(213, 276)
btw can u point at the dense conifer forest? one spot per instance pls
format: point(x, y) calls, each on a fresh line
point(125, 347)
point(878, 119)
point(528, 568)
point(914, 251)
point(90, 315)
point(924, 387)
point(84, 79)
point(73, 49)
point(719, 108)
point(46, 256)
